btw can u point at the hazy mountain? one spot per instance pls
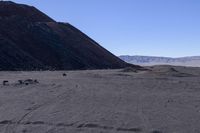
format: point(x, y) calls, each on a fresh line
point(152, 60)
point(31, 40)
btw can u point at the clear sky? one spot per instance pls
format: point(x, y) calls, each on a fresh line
point(132, 27)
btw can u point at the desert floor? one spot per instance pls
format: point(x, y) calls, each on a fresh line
point(163, 99)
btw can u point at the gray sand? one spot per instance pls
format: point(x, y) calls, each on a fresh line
point(161, 100)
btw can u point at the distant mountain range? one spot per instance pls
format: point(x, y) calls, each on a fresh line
point(153, 60)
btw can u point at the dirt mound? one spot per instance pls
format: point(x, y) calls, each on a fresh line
point(130, 69)
point(169, 71)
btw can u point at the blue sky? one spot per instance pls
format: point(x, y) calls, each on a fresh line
point(132, 27)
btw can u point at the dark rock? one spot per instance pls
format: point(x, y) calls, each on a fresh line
point(28, 81)
point(5, 82)
point(36, 81)
point(20, 81)
point(64, 74)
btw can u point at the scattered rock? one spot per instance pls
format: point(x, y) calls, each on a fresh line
point(36, 81)
point(20, 81)
point(5, 82)
point(64, 74)
point(28, 81)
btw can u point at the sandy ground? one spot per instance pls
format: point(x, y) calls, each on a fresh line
point(164, 99)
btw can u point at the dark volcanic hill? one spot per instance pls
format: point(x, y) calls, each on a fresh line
point(30, 40)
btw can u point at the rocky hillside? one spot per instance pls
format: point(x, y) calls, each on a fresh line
point(151, 60)
point(30, 40)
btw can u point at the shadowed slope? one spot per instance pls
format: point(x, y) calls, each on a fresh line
point(30, 40)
